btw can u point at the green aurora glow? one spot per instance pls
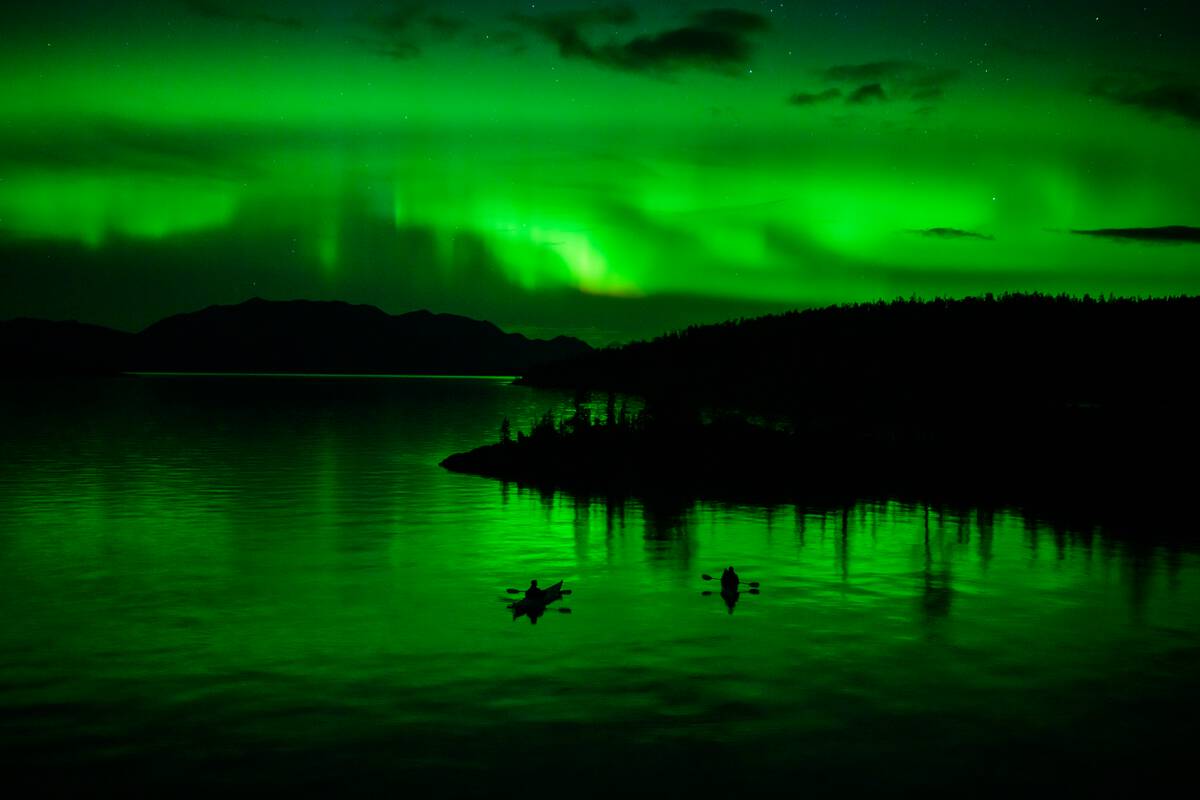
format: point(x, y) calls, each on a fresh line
point(159, 157)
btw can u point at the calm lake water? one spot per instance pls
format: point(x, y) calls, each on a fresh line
point(270, 582)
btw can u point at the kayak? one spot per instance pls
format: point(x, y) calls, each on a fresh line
point(535, 604)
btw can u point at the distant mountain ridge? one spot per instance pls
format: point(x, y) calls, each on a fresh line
point(43, 347)
point(281, 336)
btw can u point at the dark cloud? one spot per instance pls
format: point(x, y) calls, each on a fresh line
point(922, 77)
point(951, 233)
point(1170, 96)
point(731, 19)
point(566, 30)
point(399, 50)
point(234, 12)
point(814, 98)
point(879, 81)
point(403, 18)
point(400, 32)
point(870, 93)
point(444, 25)
point(683, 47)
point(718, 39)
point(1168, 234)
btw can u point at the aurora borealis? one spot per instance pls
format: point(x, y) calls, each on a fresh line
point(607, 170)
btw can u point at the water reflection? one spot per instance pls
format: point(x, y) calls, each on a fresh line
point(236, 557)
point(938, 591)
point(730, 597)
point(985, 524)
point(666, 529)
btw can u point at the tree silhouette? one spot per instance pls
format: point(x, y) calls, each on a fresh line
point(1024, 399)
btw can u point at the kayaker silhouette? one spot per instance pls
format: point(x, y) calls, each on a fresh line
point(730, 580)
point(533, 592)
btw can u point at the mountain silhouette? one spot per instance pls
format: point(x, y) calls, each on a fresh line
point(282, 336)
point(42, 347)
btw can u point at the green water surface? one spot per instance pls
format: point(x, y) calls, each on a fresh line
point(269, 582)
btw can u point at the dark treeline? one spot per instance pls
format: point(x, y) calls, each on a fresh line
point(1073, 464)
point(897, 359)
point(1067, 404)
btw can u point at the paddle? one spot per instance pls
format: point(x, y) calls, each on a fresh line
point(751, 584)
point(522, 591)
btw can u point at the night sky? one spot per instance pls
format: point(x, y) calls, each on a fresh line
point(606, 170)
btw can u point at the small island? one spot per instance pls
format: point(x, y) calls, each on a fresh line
point(1075, 405)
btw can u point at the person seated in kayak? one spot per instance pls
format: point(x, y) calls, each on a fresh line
point(730, 580)
point(533, 592)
